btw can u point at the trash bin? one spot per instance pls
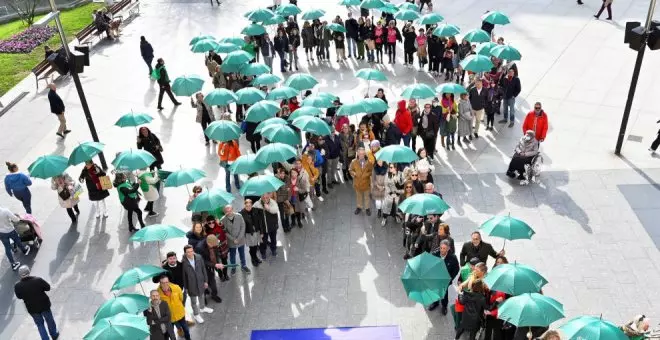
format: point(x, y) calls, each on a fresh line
point(77, 61)
point(85, 50)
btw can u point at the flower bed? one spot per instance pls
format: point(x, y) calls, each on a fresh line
point(27, 40)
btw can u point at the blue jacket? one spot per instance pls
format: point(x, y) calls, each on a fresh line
point(16, 182)
point(318, 159)
point(333, 145)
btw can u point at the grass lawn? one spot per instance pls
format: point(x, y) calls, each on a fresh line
point(14, 67)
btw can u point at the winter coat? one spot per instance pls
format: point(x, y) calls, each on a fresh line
point(468, 251)
point(432, 126)
point(68, 184)
point(146, 50)
point(219, 81)
point(361, 174)
point(379, 35)
point(538, 124)
point(193, 239)
point(148, 181)
point(154, 322)
point(393, 189)
point(378, 185)
point(201, 105)
point(235, 227)
point(333, 146)
point(403, 119)
point(228, 152)
point(91, 179)
point(452, 123)
point(465, 118)
point(475, 304)
point(308, 166)
point(326, 37)
point(281, 44)
point(478, 99)
point(511, 87)
point(464, 50)
point(253, 225)
point(338, 38)
point(174, 302)
point(32, 290)
point(409, 38)
point(283, 193)
point(435, 46)
point(347, 144)
point(270, 215)
point(56, 103)
point(392, 135)
point(351, 28)
point(220, 252)
point(151, 143)
point(308, 37)
point(194, 277)
point(250, 135)
point(294, 41)
point(366, 32)
point(302, 187)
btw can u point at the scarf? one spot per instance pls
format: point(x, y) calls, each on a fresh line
point(94, 176)
point(425, 120)
point(380, 170)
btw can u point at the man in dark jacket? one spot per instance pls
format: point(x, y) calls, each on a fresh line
point(158, 318)
point(511, 87)
point(57, 107)
point(195, 280)
point(270, 225)
point(332, 147)
point(210, 252)
point(392, 133)
point(451, 262)
point(351, 34)
point(164, 83)
point(174, 271)
point(478, 98)
point(32, 290)
point(147, 52)
point(479, 249)
point(281, 46)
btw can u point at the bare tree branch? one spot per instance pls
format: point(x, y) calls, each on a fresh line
point(25, 9)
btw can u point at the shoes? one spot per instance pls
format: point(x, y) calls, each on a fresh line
point(217, 298)
point(651, 150)
point(15, 265)
point(206, 310)
point(380, 213)
point(383, 222)
point(357, 211)
point(59, 134)
point(476, 135)
point(255, 263)
point(207, 143)
point(335, 183)
point(321, 198)
point(459, 142)
point(274, 253)
point(325, 191)
point(444, 310)
point(405, 257)
point(98, 216)
point(27, 250)
point(198, 318)
point(258, 261)
point(131, 229)
point(368, 211)
point(503, 121)
point(233, 271)
point(595, 16)
point(246, 270)
point(511, 124)
point(152, 214)
point(159, 108)
point(177, 103)
point(453, 147)
point(433, 306)
point(608, 18)
point(67, 131)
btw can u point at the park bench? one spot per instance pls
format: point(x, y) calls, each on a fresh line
point(42, 71)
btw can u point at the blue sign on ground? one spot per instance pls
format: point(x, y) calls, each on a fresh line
point(340, 333)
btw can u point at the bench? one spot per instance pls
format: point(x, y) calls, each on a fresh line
point(42, 71)
point(87, 34)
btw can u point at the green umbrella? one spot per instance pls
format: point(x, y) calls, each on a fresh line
point(305, 111)
point(431, 18)
point(485, 48)
point(253, 30)
point(133, 160)
point(48, 166)
point(120, 326)
point(187, 85)
point(396, 154)
point(530, 310)
point(224, 47)
point(446, 30)
point(275, 152)
point(220, 96)
point(233, 68)
point(133, 119)
point(334, 27)
point(254, 69)
point(124, 303)
point(194, 40)
point(592, 328)
point(184, 177)
point(282, 92)
point(312, 125)
point(287, 10)
point(424, 204)
point(204, 46)
point(477, 63)
point(350, 109)
point(388, 8)
point(247, 164)
point(210, 200)
point(266, 79)
point(373, 105)
point(281, 134)
point(372, 4)
point(275, 20)
point(136, 275)
point(370, 74)
point(223, 130)
point(507, 52)
point(313, 14)
point(406, 14)
point(318, 101)
point(407, 6)
point(450, 88)
point(477, 36)
point(249, 95)
point(233, 40)
point(237, 58)
point(157, 233)
point(496, 18)
point(259, 14)
point(425, 278)
point(262, 110)
point(259, 185)
point(301, 81)
point(349, 2)
point(514, 279)
point(508, 228)
point(268, 122)
point(85, 152)
point(418, 91)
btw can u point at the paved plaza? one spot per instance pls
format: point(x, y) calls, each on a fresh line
point(595, 214)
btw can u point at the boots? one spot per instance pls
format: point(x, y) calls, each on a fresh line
point(442, 141)
point(298, 219)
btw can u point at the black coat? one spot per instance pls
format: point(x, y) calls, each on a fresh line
point(365, 32)
point(477, 100)
point(409, 41)
point(432, 126)
point(333, 145)
point(482, 252)
point(254, 220)
point(154, 322)
point(146, 50)
point(249, 132)
point(338, 38)
point(487, 26)
point(451, 262)
point(56, 103)
point(151, 143)
point(281, 44)
point(194, 240)
point(475, 304)
point(95, 193)
point(175, 273)
point(32, 290)
point(392, 135)
point(308, 37)
point(351, 28)
point(511, 87)
point(204, 250)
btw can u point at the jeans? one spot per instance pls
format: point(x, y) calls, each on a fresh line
point(25, 196)
point(4, 237)
point(282, 61)
point(370, 55)
point(39, 319)
point(228, 180)
point(148, 62)
point(183, 325)
point(241, 255)
point(269, 238)
point(352, 47)
point(269, 62)
point(508, 109)
point(406, 140)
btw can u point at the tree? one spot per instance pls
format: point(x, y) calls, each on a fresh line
point(26, 9)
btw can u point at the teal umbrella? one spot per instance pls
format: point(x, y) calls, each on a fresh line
point(85, 152)
point(124, 303)
point(485, 48)
point(407, 6)
point(430, 19)
point(277, 133)
point(370, 74)
point(514, 279)
point(507, 52)
point(334, 27)
point(406, 14)
point(425, 278)
point(136, 275)
point(287, 10)
point(530, 310)
point(249, 95)
point(477, 36)
point(312, 125)
point(259, 185)
point(187, 85)
point(266, 79)
point(301, 81)
point(194, 40)
point(282, 92)
point(396, 154)
point(157, 233)
point(220, 96)
point(496, 18)
point(305, 111)
point(313, 14)
point(275, 152)
point(446, 30)
point(275, 20)
point(223, 130)
point(233, 40)
point(120, 326)
point(211, 200)
point(184, 177)
point(204, 46)
point(253, 30)
point(48, 166)
point(268, 122)
point(237, 58)
point(373, 105)
point(418, 91)
point(349, 2)
point(133, 160)
point(262, 110)
point(450, 88)
point(318, 101)
point(247, 164)
point(350, 109)
point(224, 47)
point(233, 68)
point(372, 4)
point(254, 69)
point(424, 204)
point(477, 63)
point(592, 328)
point(133, 119)
point(259, 14)
point(388, 8)
point(508, 228)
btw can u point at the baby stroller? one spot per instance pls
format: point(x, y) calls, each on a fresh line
point(29, 231)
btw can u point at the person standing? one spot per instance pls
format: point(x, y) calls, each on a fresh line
point(129, 199)
point(352, 29)
point(195, 281)
point(32, 290)
point(174, 270)
point(215, 260)
point(348, 148)
point(308, 40)
point(158, 318)
point(17, 185)
point(282, 196)
point(7, 232)
point(228, 152)
point(205, 114)
point(148, 182)
point(361, 170)
point(606, 4)
point(281, 46)
point(67, 195)
point(270, 224)
point(340, 46)
point(409, 42)
point(478, 100)
point(163, 79)
point(235, 226)
point(294, 43)
point(394, 183)
point(149, 142)
point(172, 295)
point(57, 108)
point(475, 304)
point(465, 116)
point(403, 121)
point(427, 125)
point(378, 185)
point(537, 121)
point(392, 135)
point(254, 219)
point(392, 35)
point(479, 249)
point(91, 174)
point(511, 87)
point(147, 53)
point(332, 146)
point(299, 188)
point(451, 262)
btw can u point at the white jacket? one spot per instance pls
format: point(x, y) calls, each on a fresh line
point(151, 195)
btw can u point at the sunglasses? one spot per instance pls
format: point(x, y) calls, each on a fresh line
point(408, 187)
point(537, 108)
point(413, 175)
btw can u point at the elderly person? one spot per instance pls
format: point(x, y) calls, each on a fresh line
point(446, 253)
point(254, 220)
point(68, 194)
point(527, 149)
point(235, 227)
point(299, 187)
point(347, 150)
point(282, 196)
point(204, 115)
point(378, 185)
point(361, 170)
point(271, 222)
point(214, 261)
point(393, 189)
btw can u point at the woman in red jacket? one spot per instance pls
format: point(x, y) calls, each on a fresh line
point(403, 120)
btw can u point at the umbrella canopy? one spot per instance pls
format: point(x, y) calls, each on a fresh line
point(367, 105)
point(157, 233)
point(259, 185)
point(515, 279)
point(119, 326)
point(224, 47)
point(407, 6)
point(477, 36)
point(507, 227)
point(255, 69)
point(223, 130)
point(424, 204)
point(301, 81)
point(48, 166)
point(396, 154)
point(220, 96)
point(200, 37)
point(253, 29)
point(259, 14)
point(335, 27)
point(388, 8)
point(496, 18)
point(282, 92)
point(369, 4)
point(268, 122)
point(281, 134)
point(507, 52)
point(249, 95)
point(418, 91)
point(530, 310)
point(133, 160)
point(275, 20)
point(318, 101)
point(446, 30)
point(450, 88)
point(262, 110)
point(275, 152)
point(133, 119)
point(266, 79)
point(85, 152)
point(477, 63)
point(247, 164)
point(136, 275)
point(210, 200)
point(124, 303)
point(183, 177)
point(287, 9)
point(187, 85)
point(237, 58)
point(370, 74)
point(406, 14)
point(204, 45)
point(313, 14)
point(349, 2)
point(313, 125)
point(233, 40)
point(305, 111)
point(485, 48)
point(431, 18)
point(425, 278)
point(233, 68)
point(592, 328)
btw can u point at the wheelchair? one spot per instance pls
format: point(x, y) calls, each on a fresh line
point(532, 170)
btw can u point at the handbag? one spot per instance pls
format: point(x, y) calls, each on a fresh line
point(371, 44)
point(65, 194)
point(106, 183)
point(288, 208)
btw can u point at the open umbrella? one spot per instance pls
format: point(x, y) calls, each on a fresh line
point(508, 228)
point(275, 20)
point(133, 119)
point(220, 96)
point(372, 4)
point(349, 2)
point(281, 134)
point(530, 310)
point(396, 154)
point(48, 166)
point(204, 46)
point(425, 278)
point(370, 74)
point(406, 14)
point(275, 152)
point(266, 79)
point(84, 152)
point(424, 204)
point(184, 177)
point(255, 69)
point(233, 40)
point(282, 92)
point(313, 125)
point(157, 233)
point(450, 88)
point(407, 6)
point(259, 14)
point(592, 328)
point(506, 52)
point(373, 105)
point(496, 18)
point(313, 14)
point(133, 160)
point(485, 48)
point(418, 91)
point(223, 130)
point(301, 81)
point(388, 8)
point(237, 58)
point(515, 279)
point(200, 37)
point(136, 275)
point(334, 27)
point(224, 47)
point(430, 19)
point(247, 164)
point(234, 68)
point(318, 101)
point(249, 95)
point(268, 122)
point(305, 111)
point(446, 30)
point(287, 9)
point(262, 110)
point(187, 85)
point(124, 303)
point(253, 30)
point(350, 109)
point(259, 185)
point(120, 326)
point(477, 63)
point(477, 36)
point(210, 200)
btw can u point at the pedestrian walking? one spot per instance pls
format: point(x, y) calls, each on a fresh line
point(160, 75)
point(57, 108)
point(17, 185)
point(195, 281)
point(235, 227)
point(205, 114)
point(656, 142)
point(68, 194)
point(511, 88)
point(92, 175)
point(147, 52)
point(159, 318)
point(361, 170)
point(228, 152)
point(148, 184)
point(7, 232)
point(129, 199)
point(537, 121)
point(32, 290)
point(465, 117)
point(606, 4)
point(172, 295)
point(148, 141)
